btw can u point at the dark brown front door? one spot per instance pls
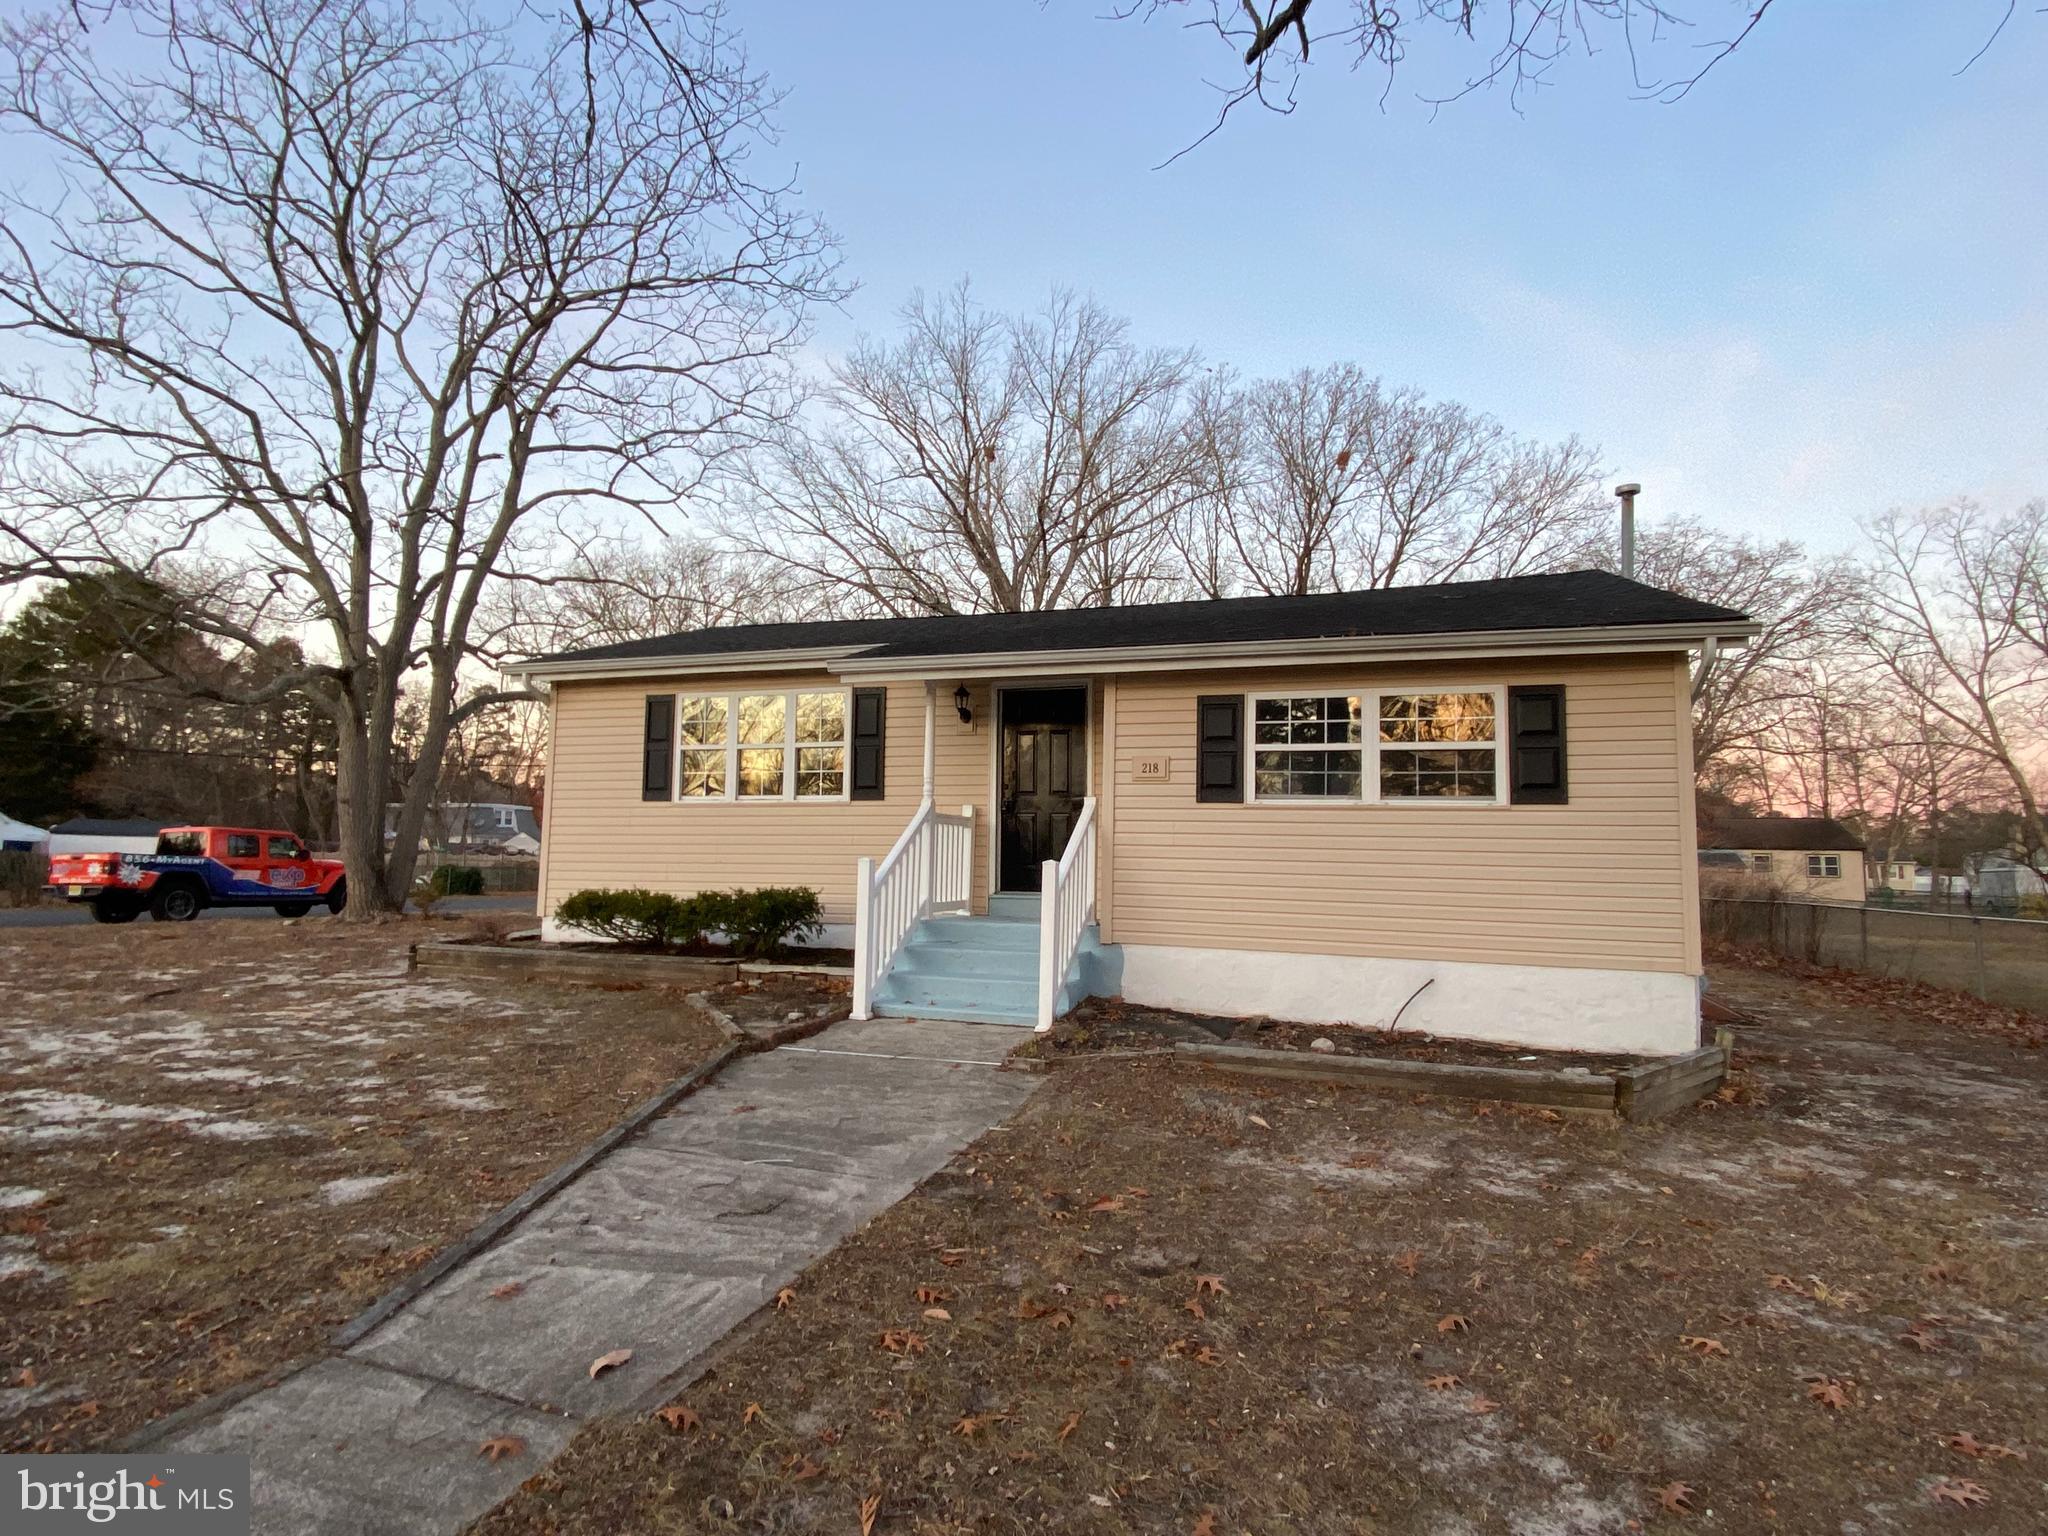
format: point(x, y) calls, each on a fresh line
point(1045, 777)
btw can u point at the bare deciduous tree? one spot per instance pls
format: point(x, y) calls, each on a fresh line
point(1948, 609)
point(352, 296)
point(980, 463)
point(1328, 480)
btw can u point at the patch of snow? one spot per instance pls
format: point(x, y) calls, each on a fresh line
point(18, 1257)
point(18, 1197)
point(342, 1191)
point(469, 1099)
point(236, 1130)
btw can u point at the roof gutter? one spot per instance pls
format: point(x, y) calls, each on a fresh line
point(858, 664)
point(1591, 640)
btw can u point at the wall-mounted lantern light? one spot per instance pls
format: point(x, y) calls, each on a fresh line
point(963, 701)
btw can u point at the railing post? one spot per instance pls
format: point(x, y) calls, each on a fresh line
point(863, 935)
point(1048, 941)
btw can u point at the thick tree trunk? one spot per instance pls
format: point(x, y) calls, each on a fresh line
point(360, 792)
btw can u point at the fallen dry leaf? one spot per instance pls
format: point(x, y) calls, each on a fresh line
point(1108, 1203)
point(804, 1470)
point(1194, 1306)
point(508, 1289)
point(869, 1508)
point(937, 1314)
point(1444, 1383)
point(1700, 1346)
point(927, 1294)
point(1261, 1124)
point(1787, 1283)
point(611, 1360)
point(1827, 1391)
point(785, 1298)
point(1205, 1525)
point(1406, 1261)
point(1676, 1497)
point(1207, 1355)
point(501, 1446)
point(680, 1417)
point(1960, 1491)
point(901, 1341)
point(1210, 1285)
point(1456, 1322)
point(1071, 1423)
point(750, 1413)
point(1481, 1403)
point(1111, 1300)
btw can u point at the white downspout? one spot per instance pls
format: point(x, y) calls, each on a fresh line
point(1710, 652)
point(931, 735)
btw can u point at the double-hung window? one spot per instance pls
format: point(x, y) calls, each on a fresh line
point(1824, 866)
point(1390, 744)
point(761, 746)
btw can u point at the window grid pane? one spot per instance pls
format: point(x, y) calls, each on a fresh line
point(763, 718)
point(820, 771)
point(1445, 774)
point(702, 775)
point(1292, 738)
point(1434, 717)
point(701, 720)
point(761, 771)
point(821, 717)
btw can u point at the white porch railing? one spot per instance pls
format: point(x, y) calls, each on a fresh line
point(1066, 906)
point(930, 870)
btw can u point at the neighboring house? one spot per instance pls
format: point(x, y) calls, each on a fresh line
point(1812, 857)
point(1886, 871)
point(89, 834)
point(20, 837)
point(1467, 807)
point(483, 827)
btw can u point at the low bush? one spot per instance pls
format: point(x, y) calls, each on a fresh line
point(635, 916)
point(761, 922)
point(21, 878)
point(757, 923)
point(458, 880)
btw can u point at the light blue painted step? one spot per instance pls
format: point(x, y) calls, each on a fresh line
point(985, 969)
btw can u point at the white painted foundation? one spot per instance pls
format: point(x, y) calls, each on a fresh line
point(834, 936)
point(1559, 1008)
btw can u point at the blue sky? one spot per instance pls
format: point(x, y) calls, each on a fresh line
point(1816, 287)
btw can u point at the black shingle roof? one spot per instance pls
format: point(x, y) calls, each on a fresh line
point(1781, 834)
point(1567, 600)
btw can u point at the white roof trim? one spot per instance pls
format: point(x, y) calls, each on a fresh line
point(855, 664)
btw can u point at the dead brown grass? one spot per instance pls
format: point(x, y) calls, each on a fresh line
point(222, 1139)
point(1422, 1318)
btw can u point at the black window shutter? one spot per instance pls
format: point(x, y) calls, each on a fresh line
point(1536, 768)
point(1219, 747)
point(870, 719)
point(655, 756)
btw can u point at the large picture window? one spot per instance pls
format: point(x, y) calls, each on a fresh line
point(761, 746)
point(1392, 744)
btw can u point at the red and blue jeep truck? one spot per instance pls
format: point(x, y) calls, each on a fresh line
point(194, 868)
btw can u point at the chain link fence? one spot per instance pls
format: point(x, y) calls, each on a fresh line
point(2001, 959)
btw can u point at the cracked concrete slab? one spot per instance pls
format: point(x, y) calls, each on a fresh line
point(661, 1247)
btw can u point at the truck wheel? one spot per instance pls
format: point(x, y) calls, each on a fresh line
point(338, 897)
point(176, 904)
point(292, 908)
point(115, 909)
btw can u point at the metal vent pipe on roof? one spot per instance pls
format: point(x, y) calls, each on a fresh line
point(1628, 494)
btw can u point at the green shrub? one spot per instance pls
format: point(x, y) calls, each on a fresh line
point(760, 922)
point(634, 917)
point(757, 923)
point(458, 880)
point(21, 878)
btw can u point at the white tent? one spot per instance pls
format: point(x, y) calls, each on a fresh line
point(20, 837)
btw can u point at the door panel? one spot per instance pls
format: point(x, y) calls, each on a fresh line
point(1044, 771)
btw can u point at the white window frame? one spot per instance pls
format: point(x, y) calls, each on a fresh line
point(1371, 746)
point(789, 744)
point(508, 818)
point(1760, 863)
point(1817, 866)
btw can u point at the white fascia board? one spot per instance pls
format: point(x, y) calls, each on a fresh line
point(810, 659)
point(1608, 641)
point(853, 664)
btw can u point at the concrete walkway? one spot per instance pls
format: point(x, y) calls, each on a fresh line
point(661, 1247)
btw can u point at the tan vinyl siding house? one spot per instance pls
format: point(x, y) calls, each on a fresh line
point(1809, 858)
point(1347, 810)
